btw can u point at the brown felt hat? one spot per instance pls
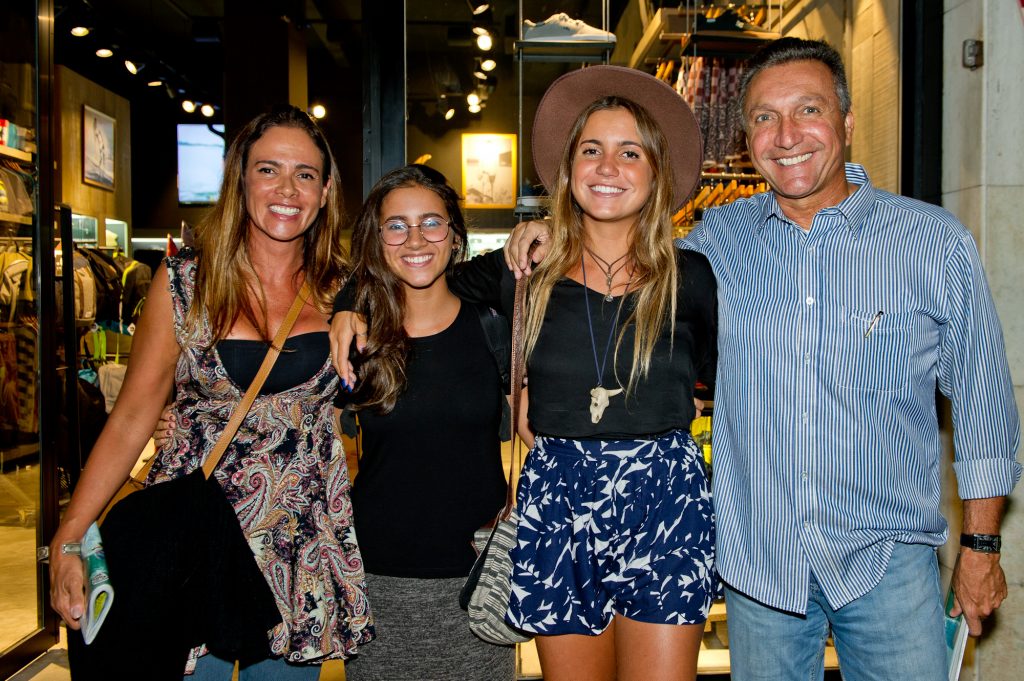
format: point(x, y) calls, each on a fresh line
point(572, 93)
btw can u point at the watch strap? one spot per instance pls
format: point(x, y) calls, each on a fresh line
point(983, 543)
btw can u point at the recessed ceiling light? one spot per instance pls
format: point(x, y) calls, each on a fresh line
point(104, 52)
point(80, 31)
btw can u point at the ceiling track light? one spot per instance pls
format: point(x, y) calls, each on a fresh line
point(188, 105)
point(478, 7)
point(207, 110)
point(318, 111)
point(80, 31)
point(104, 53)
point(488, 64)
point(484, 42)
point(133, 67)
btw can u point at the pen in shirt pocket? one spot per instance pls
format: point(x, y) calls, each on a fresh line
point(874, 320)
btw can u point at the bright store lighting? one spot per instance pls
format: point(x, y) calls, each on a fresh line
point(188, 105)
point(80, 31)
point(207, 110)
point(488, 64)
point(130, 65)
point(449, 114)
point(484, 42)
point(473, 99)
point(103, 53)
point(318, 111)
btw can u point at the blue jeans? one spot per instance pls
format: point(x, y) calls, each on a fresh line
point(212, 668)
point(895, 631)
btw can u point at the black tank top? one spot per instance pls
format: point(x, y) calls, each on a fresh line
point(303, 356)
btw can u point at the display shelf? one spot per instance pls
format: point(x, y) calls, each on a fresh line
point(17, 219)
point(582, 51)
point(18, 154)
point(726, 43)
point(661, 38)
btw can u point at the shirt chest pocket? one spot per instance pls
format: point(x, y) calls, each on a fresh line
point(873, 350)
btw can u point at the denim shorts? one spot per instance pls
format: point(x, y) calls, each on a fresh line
point(612, 527)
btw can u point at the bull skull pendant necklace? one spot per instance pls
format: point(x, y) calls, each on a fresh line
point(599, 395)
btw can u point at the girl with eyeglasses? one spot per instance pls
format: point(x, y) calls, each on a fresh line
point(429, 402)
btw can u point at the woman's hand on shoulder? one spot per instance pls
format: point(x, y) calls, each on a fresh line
point(346, 327)
point(517, 247)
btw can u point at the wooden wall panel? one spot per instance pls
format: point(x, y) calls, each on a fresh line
point(74, 92)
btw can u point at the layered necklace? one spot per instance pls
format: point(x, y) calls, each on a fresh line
point(599, 395)
point(608, 269)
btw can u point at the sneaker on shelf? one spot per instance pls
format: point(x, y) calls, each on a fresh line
point(560, 28)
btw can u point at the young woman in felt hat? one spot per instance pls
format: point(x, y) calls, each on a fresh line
point(613, 568)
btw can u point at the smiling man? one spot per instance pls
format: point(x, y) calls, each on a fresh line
point(842, 307)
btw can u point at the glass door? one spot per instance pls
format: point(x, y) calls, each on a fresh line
point(28, 489)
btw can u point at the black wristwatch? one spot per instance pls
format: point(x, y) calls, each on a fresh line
point(982, 543)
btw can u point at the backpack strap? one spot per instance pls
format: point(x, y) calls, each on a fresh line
point(499, 342)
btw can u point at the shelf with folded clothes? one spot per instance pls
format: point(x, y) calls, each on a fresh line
point(17, 154)
point(17, 219)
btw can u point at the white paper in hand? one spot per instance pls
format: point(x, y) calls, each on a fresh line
point(956, 639)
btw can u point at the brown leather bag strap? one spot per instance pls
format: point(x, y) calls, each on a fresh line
point(518, 378)
point(240, 412)
point(136, 482)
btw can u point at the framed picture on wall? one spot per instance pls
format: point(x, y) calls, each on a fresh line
point(97, 148)
point(489, 170)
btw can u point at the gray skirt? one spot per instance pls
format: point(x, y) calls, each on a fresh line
point(423, 635)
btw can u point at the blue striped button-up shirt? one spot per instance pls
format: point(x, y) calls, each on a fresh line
point(831, 343)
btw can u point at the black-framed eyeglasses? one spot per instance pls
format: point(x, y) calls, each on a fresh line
point(433, 229)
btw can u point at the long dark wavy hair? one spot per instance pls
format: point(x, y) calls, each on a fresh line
point(380, 295)
point(225, 275)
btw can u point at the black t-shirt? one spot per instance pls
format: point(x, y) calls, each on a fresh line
point(562, 370)
point(430, 472)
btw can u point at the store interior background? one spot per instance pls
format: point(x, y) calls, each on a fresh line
point(243, 55)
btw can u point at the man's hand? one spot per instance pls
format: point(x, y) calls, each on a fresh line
point(979, 587)
point(518, 246)
point(346, 326)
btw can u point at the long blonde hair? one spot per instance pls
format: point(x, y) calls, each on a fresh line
point(225, 273)
point(650, 242)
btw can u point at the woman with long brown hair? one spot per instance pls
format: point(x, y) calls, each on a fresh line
point(206, 326)
point(429, 403)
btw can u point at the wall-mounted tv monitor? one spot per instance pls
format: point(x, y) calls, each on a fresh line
point(200, 162)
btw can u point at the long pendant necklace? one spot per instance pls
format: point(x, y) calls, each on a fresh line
point(599, 395)
point(606, 268)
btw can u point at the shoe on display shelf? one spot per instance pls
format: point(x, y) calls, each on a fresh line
point(560, 28)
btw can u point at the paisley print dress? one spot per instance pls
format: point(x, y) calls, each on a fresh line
point(286, 476)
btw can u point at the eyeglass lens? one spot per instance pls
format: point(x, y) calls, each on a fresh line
point(396, 232)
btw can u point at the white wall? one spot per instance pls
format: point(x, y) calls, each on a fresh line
point(983, 185)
